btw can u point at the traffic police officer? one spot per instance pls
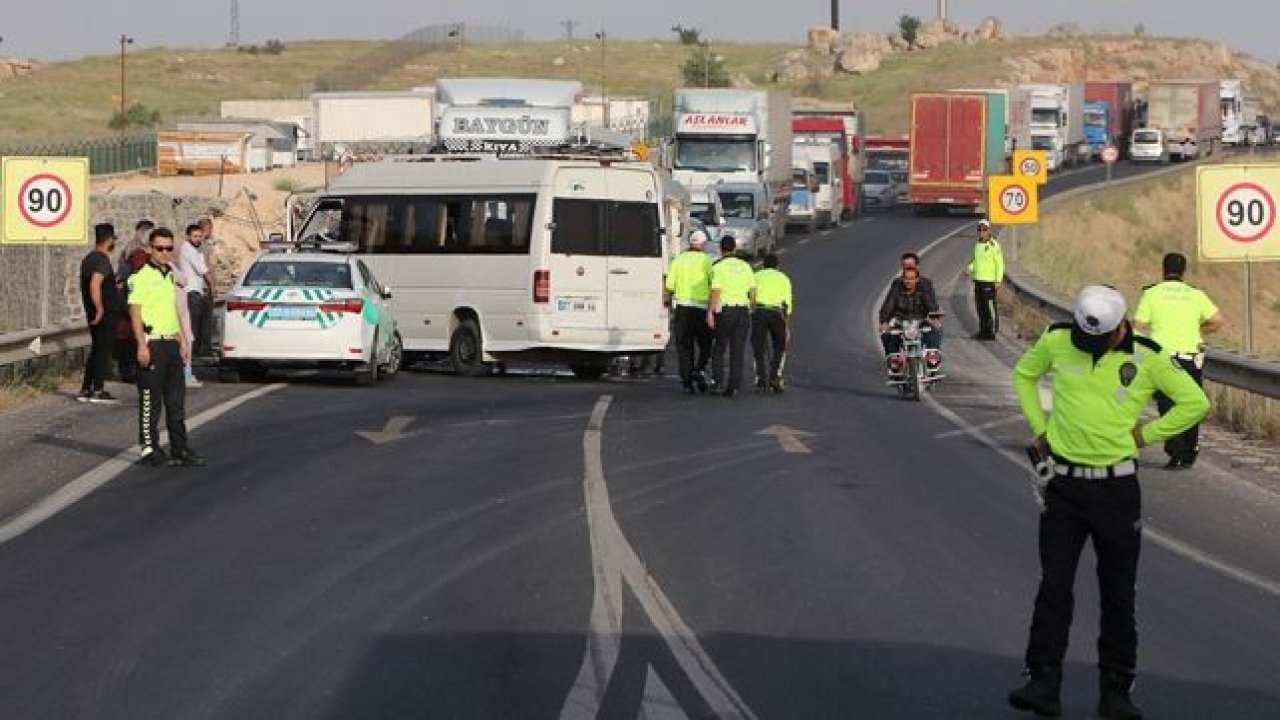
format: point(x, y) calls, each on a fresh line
point(688, 286)
point(771, 323)
point(162, 352)
point(1103, 377)
point(1176, 314)
point(987, 270)
point(733, 292)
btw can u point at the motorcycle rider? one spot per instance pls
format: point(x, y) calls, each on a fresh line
point(909, 300)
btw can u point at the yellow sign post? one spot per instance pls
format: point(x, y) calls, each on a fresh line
point(45, 200)
point(1013, 200)
point(1236, 221)
point(1033, 164)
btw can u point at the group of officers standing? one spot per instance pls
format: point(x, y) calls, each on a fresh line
point(716, 305)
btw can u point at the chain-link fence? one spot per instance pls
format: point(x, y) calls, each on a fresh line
point(107, 155)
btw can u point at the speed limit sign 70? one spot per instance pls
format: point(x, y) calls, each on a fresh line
point(45, 200)
point(1013, 200)
point(1236, 215)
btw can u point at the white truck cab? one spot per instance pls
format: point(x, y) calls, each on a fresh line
point(824, 159)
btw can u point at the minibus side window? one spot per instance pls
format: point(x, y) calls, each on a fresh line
point(579, 227)
point(633, 230)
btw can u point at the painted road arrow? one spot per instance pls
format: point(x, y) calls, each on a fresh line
point(394, 430)
point(788, 437)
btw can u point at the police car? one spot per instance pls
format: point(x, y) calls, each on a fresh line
point(314, 306)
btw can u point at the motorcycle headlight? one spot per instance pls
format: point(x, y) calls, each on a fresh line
point(911, 333)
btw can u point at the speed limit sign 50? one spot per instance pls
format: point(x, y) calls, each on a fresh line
point(1013, 200)
point(45, 200)
point(1032, 164)
point(1237, 211)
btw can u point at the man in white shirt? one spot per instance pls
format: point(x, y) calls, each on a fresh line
point(192, 265)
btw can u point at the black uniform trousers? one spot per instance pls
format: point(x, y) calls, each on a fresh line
point(732, 325)
point(162, 389)
point(1184, 447)
point(1108, 512)
point(693, 341)
point(768, 332)
point(984, 300)
point(97, 366)
point(200, 307)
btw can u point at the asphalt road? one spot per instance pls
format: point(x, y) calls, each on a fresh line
point(529, 546)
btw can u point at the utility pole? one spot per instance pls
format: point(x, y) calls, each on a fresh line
point(568, 26)
point(942, 9)
point(234, 39)
point(124, 117)
point(604, 91)
point(835, 15)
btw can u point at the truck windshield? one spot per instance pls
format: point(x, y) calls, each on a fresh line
point(1044, 116)
point(716, 155)
point(823, 171)
point(1146, 137)
point(1042, 142)
point(738, 204)
point(1095, 117)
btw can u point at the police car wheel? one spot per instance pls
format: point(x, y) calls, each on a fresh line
point(394, 359)
point(367, 374)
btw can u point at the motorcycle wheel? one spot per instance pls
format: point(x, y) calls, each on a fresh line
point(915, 373)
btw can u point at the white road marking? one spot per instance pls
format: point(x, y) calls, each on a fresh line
point(804, 241)
point(73, 491)
point(984, 426)
point(614, 562)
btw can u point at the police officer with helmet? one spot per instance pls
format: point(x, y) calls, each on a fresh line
point(1103, 377)
point(1176, 314)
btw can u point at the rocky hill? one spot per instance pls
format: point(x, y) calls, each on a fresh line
point(1064, 54)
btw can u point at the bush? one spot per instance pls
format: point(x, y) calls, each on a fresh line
point(688, 36)
point(136, 115)
point(704, 68)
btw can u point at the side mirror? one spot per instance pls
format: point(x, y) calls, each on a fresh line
point(386, 293)
point(275, 237)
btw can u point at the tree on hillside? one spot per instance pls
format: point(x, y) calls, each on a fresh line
point(688, 36)
point(704, 68)
point(908, 26)
point(136, 115)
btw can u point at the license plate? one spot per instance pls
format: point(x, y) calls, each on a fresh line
point(575, 304)
point(292, 312)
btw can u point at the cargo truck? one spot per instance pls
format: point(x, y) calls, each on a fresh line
point(726, 135)
point(1231, 108)
point(842, 130)
point(1057, 122)
point(1108, 115)
point(956, 142)
point(1181, 120)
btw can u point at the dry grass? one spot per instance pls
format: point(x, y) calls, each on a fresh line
point(1119, 236)
point(1257, 416)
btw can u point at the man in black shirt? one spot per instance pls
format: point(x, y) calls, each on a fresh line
point(101, 299)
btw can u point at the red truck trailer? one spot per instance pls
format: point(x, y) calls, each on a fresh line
point(948, 152)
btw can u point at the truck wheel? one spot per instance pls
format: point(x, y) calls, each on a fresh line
point(466, 353)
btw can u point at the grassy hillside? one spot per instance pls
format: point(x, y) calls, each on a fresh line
point(76, 99)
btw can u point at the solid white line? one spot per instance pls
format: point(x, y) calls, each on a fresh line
point(614, 561)
point(73, 491)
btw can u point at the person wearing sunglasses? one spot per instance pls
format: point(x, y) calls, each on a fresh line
point(162, 352)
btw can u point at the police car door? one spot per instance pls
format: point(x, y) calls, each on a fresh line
point(577, 264)
point(635, 260)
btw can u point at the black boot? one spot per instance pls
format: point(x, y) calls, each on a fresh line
point(1113, 694)
point(1042, 692)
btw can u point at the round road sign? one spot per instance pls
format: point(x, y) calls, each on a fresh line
point(1246, 212)
point(44, 200)
point(1013, 200)
point(1029, 167)
point(1110, 154)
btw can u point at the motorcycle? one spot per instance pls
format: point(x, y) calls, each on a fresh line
point(914, 368)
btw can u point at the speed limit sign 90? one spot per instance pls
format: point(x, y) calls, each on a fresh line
point(1013, 200)
point(45, 200)
point(1237, 211)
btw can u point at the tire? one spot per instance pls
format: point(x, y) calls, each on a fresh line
point(914, 370)
point(367, 374)
point(395, 358)
point(588, 371)
point(466, 351)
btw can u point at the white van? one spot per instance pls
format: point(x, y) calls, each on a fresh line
point(544, 260)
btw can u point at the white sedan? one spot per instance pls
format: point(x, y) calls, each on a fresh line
point(297, 310)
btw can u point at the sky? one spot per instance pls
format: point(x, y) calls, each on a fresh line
point(69, 29)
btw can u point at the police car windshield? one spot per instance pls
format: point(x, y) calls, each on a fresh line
point(336, 276)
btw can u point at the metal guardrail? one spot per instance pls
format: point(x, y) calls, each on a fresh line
point(1236, 370)
point(33, 346)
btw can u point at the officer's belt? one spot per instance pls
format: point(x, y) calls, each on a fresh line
point(691, 303)
point(1086, 472)
point(163, 337)
point(1188, 356)
point(733, 307)
point(775, 308)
